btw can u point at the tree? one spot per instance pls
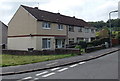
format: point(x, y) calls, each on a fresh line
point(98, 24)
point(118, 35)
point(104, 32)
point(115, 24)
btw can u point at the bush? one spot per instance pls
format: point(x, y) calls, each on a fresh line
point(83, 44)
point(98, 42)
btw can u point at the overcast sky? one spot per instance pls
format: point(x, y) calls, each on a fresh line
point(88, 10)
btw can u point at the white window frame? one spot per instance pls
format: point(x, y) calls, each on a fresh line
point(92, 30)
point(46, 25)
point(48, 41)
point(60, 43)
point(60, 27)
point(86, 39)
point(86, 30)
point(80, 29)
point(71, 27)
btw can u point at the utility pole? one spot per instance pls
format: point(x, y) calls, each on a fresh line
point(110, 26)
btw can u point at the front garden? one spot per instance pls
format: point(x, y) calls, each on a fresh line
point(13, 60)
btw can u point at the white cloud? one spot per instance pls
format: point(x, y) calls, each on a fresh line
point(89, 10)
point(6, 7)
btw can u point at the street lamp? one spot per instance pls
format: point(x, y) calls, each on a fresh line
point(110, 26)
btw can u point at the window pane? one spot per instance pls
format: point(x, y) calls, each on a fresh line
point(60, 26)
point(71, 28)
point(48, 43)
point(44, 42)
point(46, 25)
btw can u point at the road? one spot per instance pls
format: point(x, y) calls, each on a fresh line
point(105, 67)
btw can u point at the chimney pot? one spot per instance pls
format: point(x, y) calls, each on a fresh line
point(36, 7)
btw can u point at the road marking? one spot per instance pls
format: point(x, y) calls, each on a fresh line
point(48, 74)
point(41, 73)
point(55, 69)
point(74, 65)
point(62, 69)
point(26, 78)
point(52, 63)
point(36, 78)
point(82, 62)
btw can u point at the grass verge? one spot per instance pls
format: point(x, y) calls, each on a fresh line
point(13, 60)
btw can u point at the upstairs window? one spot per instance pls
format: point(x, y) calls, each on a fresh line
point(92, 30)
point(46, 25)
point(86, 30)
point(60, 26)
point(79, 29)
point(71, 28)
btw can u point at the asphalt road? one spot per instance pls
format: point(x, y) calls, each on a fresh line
point(102, 68)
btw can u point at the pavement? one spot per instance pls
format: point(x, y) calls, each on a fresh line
point(11, 70)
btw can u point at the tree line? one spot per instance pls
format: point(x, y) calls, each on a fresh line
point(115, 24)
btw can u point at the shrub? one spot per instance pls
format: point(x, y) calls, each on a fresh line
point(83, 44)
point(98, 42)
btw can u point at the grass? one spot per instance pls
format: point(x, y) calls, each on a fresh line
point(13, 60)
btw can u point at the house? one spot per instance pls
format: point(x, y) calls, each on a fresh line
point(3, 35)
point(39, 29)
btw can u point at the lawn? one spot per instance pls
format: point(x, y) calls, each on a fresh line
point(12, 60)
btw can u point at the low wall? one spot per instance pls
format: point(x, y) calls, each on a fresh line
point(115, 42)
point(44, 52)
point(95, 48)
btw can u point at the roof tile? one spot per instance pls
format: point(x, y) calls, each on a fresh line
point(42, 15)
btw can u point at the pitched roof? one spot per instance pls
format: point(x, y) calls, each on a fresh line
point(42, 15)
point(4, 24)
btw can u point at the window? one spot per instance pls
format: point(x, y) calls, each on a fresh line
point(79, 29)
point(86, 30)
point(86, 39)
point(60, 43)
point(46, 25)
point(71, 40)
point(46, 43)
point(71, 28)
point(80, 39)
point(92, 30)
point(60, 26)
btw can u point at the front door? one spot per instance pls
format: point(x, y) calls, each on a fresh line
point(60, 43)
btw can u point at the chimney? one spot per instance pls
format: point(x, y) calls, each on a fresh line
point(73, 16)
point(58, 13)
point(36, 7)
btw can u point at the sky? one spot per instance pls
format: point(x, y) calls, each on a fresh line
point(88, 10)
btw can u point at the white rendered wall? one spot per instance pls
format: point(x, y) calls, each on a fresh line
point(21, 43)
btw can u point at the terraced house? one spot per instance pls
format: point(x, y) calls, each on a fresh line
point(3, 35)
point(39, 29)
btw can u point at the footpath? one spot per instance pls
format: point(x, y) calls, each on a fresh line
point(57, 63)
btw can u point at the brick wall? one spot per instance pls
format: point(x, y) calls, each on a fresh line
point(115, 42)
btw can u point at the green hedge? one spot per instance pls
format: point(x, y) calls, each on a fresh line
point(98, 42)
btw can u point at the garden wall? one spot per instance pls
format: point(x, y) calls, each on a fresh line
point(115, 42)
point(44, 52)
